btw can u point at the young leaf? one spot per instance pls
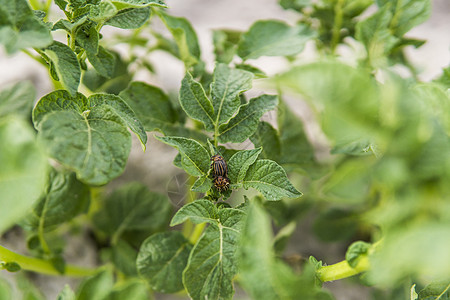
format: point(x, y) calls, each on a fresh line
point(185, 38)
point(202, 184)
point(132, 207)
point(240, 162)
point(408, 13)
point(87, 37)
point(23, 170)
point(194, 102)
point(199, 211)
point(96, 287)
point(123, 255)
point(20, 28)
point(130, 18)
point(64, 199)
point(212, 262)
point(122, 4)
point(354, 252)
point(17, 99)
point(245, 123)
point(66, 294)
point(121, 108)
point(268, 139)
point(102, 61)
point(225, 89)
point(273, 38)
point(270, 179)
point(225, 44)
point(66, 65)
point(194, 157)
point(102, 12)
point(162, 259)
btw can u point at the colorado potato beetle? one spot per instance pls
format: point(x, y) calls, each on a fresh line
point(221, 183)
point(219, 166)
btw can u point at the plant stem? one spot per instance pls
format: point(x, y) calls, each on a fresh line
point(35, 5)
point(36, 58)
point(336, 31)
point(196, 233)
point(42, 266)
point(342, 270)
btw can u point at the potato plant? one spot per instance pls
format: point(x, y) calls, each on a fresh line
point(382, 189)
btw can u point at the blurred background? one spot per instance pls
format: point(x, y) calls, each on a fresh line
point(206, 16)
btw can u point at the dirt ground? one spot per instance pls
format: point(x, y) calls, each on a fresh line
point(205, 16)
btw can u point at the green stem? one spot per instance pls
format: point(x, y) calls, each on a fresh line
point(336, 31)
point(42, 266)
point(35, 4)
point(36, 58)
point(196, 233)
point(342, 270)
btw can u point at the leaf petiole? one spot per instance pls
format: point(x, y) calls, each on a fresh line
point(42, 266)
point(342, 269)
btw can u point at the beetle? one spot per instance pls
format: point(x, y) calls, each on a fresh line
point(221, 183)
point(219, 166)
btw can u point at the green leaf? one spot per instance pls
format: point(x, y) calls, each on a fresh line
point(93, 141)
point(349, 104)
point(132, 207)
point(162, 259)
point(335, 224)
point(95, 287)
point(240, 162)
point(225, 44)
point(439, 290)
point(5, 289)
point(121, 108)
point(64, 199)
point(130, 18)
point(102, 61)
point(122, 4)
point(246, 121)
point(102, 12)
point(267, 138)
point(184, 36)
point(66, 65)
point(376, 35)
point(212, 262)
point(23, 170)
point(407, 13)
point(354, 252)
point(194, 157)
point(124, 258)
point(129, 290)
point(87, 37)
point(227, 85)
point(155, 111)
point(194, 102)
point(270, 179)
point(273, 38)
point(199, 211)
point(17, 99)
point(202, 184)
point(20, 28)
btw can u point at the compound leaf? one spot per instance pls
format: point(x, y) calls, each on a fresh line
point(162, 259)
point(212, 262)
